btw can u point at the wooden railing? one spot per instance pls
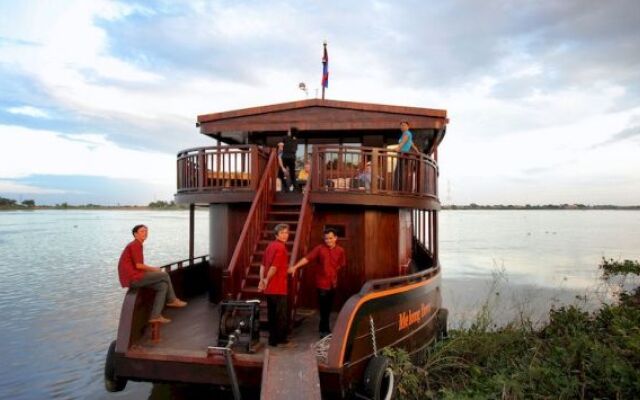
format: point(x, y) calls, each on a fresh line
point(250, 235)
point(300, 248)
point(375, 285)
point(422, 227)
point(220, 167)
point(183, 263)
point(373, 170)
point(425, 232)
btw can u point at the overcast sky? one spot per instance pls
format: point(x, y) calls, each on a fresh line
point(97, 97)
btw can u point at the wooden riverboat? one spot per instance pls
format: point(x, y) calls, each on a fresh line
point(389, 294)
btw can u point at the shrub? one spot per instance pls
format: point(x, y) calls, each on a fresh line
point(576, 354)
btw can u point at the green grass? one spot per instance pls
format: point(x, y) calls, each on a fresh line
point(575, 355)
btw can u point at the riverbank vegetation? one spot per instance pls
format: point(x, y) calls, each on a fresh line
point(11, 204)
point(575, 355)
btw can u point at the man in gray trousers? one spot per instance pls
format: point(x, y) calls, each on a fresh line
point(134, 273)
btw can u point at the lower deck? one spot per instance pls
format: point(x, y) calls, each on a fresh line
point(194, 328)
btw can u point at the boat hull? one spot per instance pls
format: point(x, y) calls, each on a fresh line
point(402, 314)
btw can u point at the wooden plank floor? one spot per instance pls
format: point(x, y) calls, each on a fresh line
point(194, 328)
point(291, 376)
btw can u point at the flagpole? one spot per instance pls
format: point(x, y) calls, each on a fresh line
point(324, 67)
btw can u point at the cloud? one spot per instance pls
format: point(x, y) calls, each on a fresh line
point(29, 111)
point(632, 131)
point(624, 134)
point(88, 154)
point(85, 189)
point(9, 186)
point(528, 86)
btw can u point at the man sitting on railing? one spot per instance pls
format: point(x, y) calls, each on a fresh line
point(134, 273)
point(331, 258)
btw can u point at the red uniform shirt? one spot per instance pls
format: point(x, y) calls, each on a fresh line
point(276, 254)
point(329, 262)
point(127, 271)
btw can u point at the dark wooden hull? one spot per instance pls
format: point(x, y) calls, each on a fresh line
point(404, 316)
point(403, 311)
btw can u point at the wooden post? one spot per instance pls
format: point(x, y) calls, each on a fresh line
point(375, 171)
point(435, 237)
point(315, 168)
point(255, 167)
point(192, 208)
point(202, 173)
point(155, 332)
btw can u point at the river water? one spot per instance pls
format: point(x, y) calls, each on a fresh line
point(60, 299)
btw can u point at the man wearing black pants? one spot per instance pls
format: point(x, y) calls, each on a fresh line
point(289, 157)
point(273, 282)
point(330, 259)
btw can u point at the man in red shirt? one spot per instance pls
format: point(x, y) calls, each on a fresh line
point(273, 282)
point(134, 273)
point(330, 258)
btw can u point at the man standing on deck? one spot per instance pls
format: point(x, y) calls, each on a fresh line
point(289, 156)
point(331, 258)
point(273, 282)
point(134, 273)
point(405, 144)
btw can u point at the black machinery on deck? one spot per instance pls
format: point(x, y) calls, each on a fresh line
point(239, 324)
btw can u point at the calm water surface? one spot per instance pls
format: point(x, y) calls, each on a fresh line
point(60, 299)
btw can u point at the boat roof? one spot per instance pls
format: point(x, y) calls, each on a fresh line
point(330, 118)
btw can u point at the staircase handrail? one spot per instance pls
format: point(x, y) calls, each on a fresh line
point(251, 231)
point(300, 248)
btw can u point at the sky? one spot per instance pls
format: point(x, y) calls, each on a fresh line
point(97, 97)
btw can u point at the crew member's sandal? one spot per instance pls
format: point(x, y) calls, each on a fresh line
point(177, 303)
point(159, 319)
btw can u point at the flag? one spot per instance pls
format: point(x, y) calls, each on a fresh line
point(325, 68)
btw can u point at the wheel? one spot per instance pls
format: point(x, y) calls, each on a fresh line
point(112, 382)
point(379, 381)
point(443, 316)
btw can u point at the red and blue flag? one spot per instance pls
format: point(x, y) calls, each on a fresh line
point(325, 68)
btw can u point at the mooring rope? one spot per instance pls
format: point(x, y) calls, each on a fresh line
point(322, 348)
point(373, 336)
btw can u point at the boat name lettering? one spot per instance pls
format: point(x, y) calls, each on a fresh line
point(408, 318)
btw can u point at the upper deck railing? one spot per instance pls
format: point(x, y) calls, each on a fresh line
point(373, 170)
point(334, 168)
point(221, 168)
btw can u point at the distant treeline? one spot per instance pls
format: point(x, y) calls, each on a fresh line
point(10, 204)
point(474, 206)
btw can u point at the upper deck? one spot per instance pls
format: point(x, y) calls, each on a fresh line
point(345, 144)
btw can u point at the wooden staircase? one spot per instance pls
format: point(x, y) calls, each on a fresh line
point(285, 209)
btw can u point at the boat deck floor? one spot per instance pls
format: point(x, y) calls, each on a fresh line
point(194, 328)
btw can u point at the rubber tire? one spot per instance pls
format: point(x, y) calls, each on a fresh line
point(112, 382)
point(443, 316)
point(379, 380)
